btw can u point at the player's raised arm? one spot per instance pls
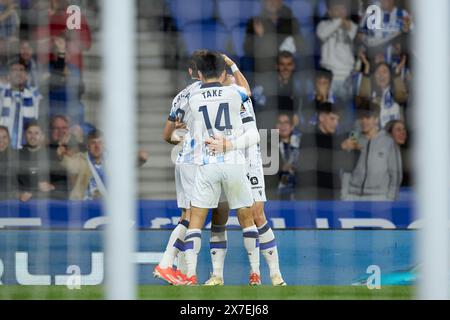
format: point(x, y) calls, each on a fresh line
point(240, 78)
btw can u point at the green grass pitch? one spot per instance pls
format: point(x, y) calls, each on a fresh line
point(153, 292)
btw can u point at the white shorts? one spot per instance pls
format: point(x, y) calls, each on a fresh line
point(184, 183)
point(212, 178)
point(256, 177)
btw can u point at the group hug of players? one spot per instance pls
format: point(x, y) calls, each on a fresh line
point(219, 167)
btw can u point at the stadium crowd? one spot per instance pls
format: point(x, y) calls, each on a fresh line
point(338, 90)
point(47, 150)
point(335, 84)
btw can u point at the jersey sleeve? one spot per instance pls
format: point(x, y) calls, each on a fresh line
point(246, 114)
point(242, 92)
point(180, 102)
point(175, 105)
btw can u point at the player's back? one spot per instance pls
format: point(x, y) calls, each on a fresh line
point(180, 110)
point(217, 110)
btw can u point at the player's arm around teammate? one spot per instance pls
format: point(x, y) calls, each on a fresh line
point(221, 165)
point(220, 215)
point(184, 179)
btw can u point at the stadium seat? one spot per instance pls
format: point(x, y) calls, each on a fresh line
point(237, 12)
point(311, 40)
point(189, 11)
point(304, 11)
point(208, 34)
point(238, 38)
point(321, 9)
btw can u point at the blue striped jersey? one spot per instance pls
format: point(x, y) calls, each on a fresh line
point(179, 110)
point(252, 153)
point(217, 110)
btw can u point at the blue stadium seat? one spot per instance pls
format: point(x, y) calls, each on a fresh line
point(309, 36)
point(237, 12)
point(189, 11)
point(304, 11)
point(208, 34)
point(321, 9)
point(238, 38)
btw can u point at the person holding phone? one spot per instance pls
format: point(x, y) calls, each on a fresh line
point(377, 174)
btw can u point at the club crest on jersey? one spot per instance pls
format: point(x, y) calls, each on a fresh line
point(254, 181)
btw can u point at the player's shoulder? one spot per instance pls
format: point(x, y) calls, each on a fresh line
point(193, 86)
point(241, 91)
point(236, 87)
point(187, 91)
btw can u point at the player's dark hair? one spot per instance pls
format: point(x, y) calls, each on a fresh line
point(211, 65)
point(194, 60)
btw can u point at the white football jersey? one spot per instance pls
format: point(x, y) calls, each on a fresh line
point(217, 110)
point(252, 153)
point(180, 110)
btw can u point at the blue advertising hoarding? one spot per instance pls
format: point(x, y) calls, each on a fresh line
point(164, 214)
point(307, 257)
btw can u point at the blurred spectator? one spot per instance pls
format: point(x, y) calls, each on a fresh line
point(33, 14)
point(289, 153)
point(321, 158)
point(64, 85)
point(89, 167)
point(387, 90)
point(337, 34)
point(19, 103)
point(274, 30)
point(397, 129)
point(9, 20)
point(322, 93)
point(61, 134)
point(78, 40)
point(8, 169)
point(279, 93)
point(28, 60)
point(396, 24)
point(33, 175)
point(378, 171)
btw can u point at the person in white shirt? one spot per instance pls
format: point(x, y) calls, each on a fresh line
point(384, 87)
point(337, 35)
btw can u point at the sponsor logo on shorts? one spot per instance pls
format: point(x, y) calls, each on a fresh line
point(254, 181)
